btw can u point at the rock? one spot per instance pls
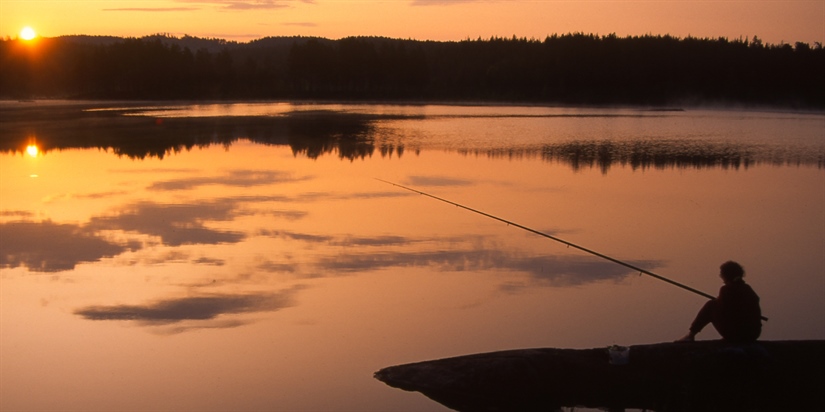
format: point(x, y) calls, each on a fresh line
point(706, 375)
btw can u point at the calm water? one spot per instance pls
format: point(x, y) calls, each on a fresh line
point(244, 256)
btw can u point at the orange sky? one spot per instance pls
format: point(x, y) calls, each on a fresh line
point(244, 20)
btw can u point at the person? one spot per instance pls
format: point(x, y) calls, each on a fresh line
point(735, 313)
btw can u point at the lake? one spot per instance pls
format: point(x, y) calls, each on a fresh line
point(245, 256)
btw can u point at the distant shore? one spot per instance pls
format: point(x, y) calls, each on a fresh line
point(12, 104)
point(566, 70)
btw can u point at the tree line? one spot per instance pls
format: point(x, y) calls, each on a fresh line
point(560, 69)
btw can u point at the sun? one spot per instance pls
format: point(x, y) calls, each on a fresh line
point(27, 33)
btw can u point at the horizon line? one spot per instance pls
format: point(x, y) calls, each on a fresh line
point(253, 38)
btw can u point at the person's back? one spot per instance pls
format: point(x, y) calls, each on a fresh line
point(739, 314)
point(735, 313)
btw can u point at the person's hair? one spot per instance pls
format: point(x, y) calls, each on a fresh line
point(731, 270)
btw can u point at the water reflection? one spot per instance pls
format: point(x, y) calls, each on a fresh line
point(358, 133)
point(657, 154)
point(316, 133)
point(286, 270)
point(236, 178)
point(174, 224)
point(49, 247)
point(54, 247)
point(195, 312)
point(543, 270)
point(672, 154)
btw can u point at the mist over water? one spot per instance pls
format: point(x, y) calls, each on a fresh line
point(243, 256)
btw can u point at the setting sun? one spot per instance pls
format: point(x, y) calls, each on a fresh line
point(32, 150)
point(27, 33)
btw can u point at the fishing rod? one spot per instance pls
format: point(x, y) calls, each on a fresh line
point(570, 244)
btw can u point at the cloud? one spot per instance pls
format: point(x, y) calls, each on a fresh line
point(175, 224)
point(373, 241)
point(544, 270)
point(295, 236)
point(52, 247)
point(253, 5)
point(300, 24)
point(58, 197)
point(101, 195)
point(153, 9)
point(172, 256)
point(186, 326)
point(436, 181)
point(348, 240)
point(573, 270)
point(234, 178)
point(205, 307)
point(442, 2)
point(367, 195)
point(284, 214)
point(209, 261)
point(275, 267)
point(16, 213)
point(242, 5)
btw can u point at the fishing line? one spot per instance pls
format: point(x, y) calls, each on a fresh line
point(569, 244)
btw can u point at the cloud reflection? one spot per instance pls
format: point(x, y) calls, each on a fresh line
point(175, 224)
point(253, 5)
point(463, 255)
point(52, 247)
point(545, 270)
point(194, 308)
point(440, 2)
point(235, 178)
point(374, 241)
point(244, 5)
point(436, 181)
point(569, 270)
point(209, 261)
point(152, 9)
point(348, 240)
point(16, 213)
point(295, 236)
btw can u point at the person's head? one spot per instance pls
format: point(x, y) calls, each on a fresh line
point(731, 271)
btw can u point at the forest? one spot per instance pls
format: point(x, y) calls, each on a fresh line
point(574, 69)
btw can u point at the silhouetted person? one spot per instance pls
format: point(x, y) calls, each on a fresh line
point(735, 313)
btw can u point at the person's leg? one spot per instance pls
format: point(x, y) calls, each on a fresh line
point(703, 318)
point(736, 331)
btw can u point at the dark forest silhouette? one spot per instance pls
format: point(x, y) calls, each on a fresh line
point(561, 69)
